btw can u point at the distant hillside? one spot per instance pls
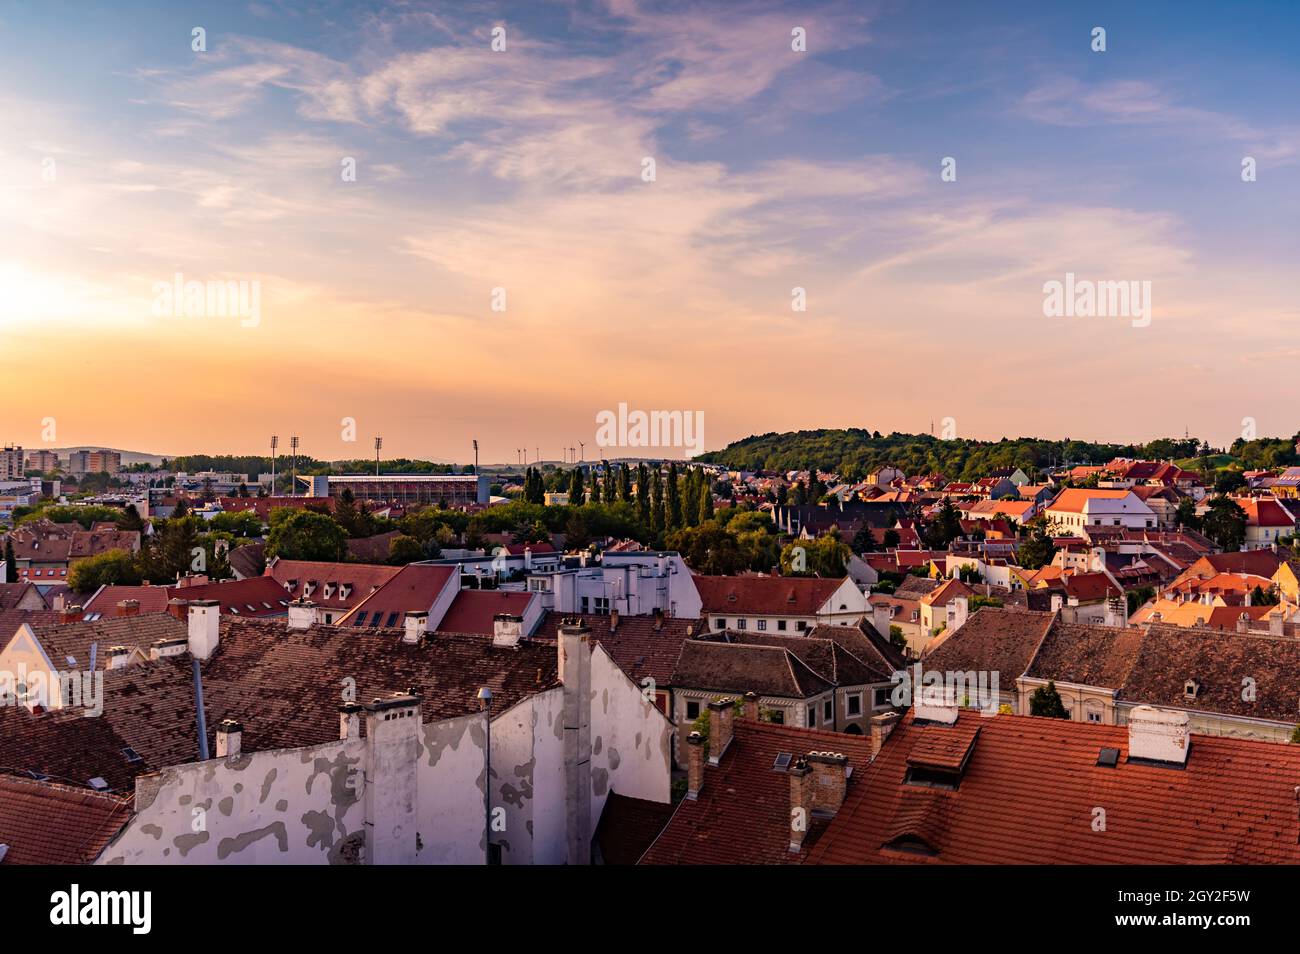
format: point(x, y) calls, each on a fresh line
point(856, 452)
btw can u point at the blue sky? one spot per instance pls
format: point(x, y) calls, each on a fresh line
point(521, 170)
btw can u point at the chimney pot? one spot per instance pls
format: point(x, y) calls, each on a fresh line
point(800, 802)
point(302, 613)
point(507, 629)
point(751, 707)
point(128, 608)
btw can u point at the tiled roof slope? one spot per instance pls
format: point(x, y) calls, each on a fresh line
point(64, 641)
point(640, 645)
point(1086, 655)
point(991, 639)
point(745, 667)
point(1030, 789)
point(628, 826)
point(742, 815)
point(48, 824)
point(765, 595)
point(285, 686)
point(474, 611)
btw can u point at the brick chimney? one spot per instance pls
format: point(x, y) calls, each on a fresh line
point(128, 608)
point(230, 736)
point(613, 621)
point(71, 613)
point(205, 627)
point(1243, 623)
point(830, 779)
point(881, 726)
point(416, 625)
point(800, 802)
point(659, 619)
point(694, 765)
point(178, 608)
point(751, 707)
point(721, 714)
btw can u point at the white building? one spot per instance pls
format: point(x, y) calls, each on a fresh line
point(1077, 508)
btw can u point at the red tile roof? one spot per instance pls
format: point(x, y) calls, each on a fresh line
point(640, 645)
point(1031, 788)
point(472, 611)
point(742, 815)
point(765, 595)
point(44, 823)
point(255, 596)
point(414, 587)
point(152, 599)
point(357, 580)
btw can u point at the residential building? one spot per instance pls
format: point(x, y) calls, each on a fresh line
point(779, 604)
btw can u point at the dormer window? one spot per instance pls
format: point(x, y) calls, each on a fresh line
point(1191, 689)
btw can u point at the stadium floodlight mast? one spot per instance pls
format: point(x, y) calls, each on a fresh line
point(293, 446)
point(275, 442)
point(476, 457)
point(379, 445)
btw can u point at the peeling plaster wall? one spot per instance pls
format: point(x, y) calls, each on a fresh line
point(283, 806)
point(522, 740)
point(450, 807)
point(630, 738)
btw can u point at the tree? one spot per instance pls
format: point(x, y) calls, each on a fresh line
point(674, 492)
point(1225, 523)
point(1046, 701)
point(114, 567)
point(403, 550)
point(305, 535)
point(595, 491)
point(659, 518)
point(864, 541)
point(11, 562)
point(1187, 516)
point(577, 495)
point(577, 535)
point(892, 539)
point(182, 507)
point(130, 519)
point(643, 494)
point(944, 527)
point(1037, 549)
point(827, 556)
point(706, 501)
point(624, 484)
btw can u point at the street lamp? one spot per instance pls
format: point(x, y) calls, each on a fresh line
point(485, 705)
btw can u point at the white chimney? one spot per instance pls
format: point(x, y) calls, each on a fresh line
point(350, 721)
point(958, 610)
point(117, 657)
point(1158, 735)
point(880, 616)
point(302, 613)
point(230, 735)
point(205, 627)
point(507, 629)
point(417, 624)
point(1057, 602)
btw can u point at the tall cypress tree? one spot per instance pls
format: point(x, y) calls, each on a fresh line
point(706, 501)
point(625, 484)
point(595, 489)
point(576, 494)
point(609, 482)
point(659, 520)
point(643, 493)
point(674, 499)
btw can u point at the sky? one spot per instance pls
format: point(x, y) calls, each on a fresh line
point(503, 267)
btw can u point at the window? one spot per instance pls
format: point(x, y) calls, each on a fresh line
point(812, 716)
point(778, 717)
point(692, 710)
point(1094, 715)
point(762, 625)
point(742, 624)
point(828, 710)
point(853, 703)
point(602, 604)
point(801, 626)
point(720, 623)
point(880, 698)
point(360, 620)
point(586, 606)
point(780, 625)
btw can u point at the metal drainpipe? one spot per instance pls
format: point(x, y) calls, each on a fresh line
point(198, 704)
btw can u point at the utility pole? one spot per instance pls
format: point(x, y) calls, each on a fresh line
point(379, 443)
point(293, 445)
point(275, 442)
